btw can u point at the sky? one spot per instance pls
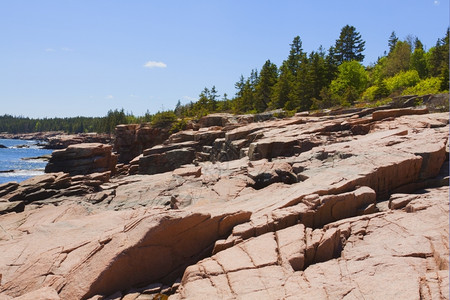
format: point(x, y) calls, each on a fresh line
point(65, 58)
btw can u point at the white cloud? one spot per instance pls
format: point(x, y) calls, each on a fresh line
point(155, 64)
point(437, 2)
point(49, 50)
point(66, 49)
point(109, 97)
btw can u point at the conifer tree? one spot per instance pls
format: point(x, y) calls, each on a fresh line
point(264, 89)
point(289, 69)
point(350, 45)
point(296, 56)
point(393, 39)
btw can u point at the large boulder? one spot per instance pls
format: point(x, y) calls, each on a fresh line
point(166, 161)
point(82, 159)
point(219, 119)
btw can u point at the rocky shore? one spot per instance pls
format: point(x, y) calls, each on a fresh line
point(59, 140)
point(346, 205)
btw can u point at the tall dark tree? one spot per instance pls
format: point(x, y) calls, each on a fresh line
point(317, 73)
point(350, 45)
point(393, 39)
point(418, 44)
point(245, 95)
point(289, 69)
point(268, 77)
point(283, 87)
point(296, 56)
point(331, 64)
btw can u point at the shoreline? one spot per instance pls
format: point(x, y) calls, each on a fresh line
point(58, 139)
point(22, 159)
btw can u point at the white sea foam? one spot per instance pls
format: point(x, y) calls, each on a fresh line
point(16, 173)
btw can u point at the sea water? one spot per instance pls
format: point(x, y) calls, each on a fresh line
point(12, 165)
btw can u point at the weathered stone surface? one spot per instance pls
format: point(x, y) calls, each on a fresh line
point(7, 188)
point(7, 207)
point(394, 113)
point(45, 293)
point(90, 254)
point(345, 218)
point(62, 141)
point(167, 161)
point(264, 173)
point(82, 159)
point(188, 171)
point(215, 120)
point(364, 257)
point(132, 139)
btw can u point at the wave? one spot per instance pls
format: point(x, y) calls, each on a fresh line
point(16, 173)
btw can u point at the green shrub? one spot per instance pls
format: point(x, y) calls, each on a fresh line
point(402, 80)
point(164, 118)
point(178, 125)
point(350, 82)
point(425, 86)
point(369, 93)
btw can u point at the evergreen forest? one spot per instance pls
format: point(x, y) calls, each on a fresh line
point(304, 81)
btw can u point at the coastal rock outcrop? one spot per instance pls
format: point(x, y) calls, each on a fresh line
point(307, 207)
point(82, 159)
point(49, 188)
point(132, 139)
point(63, 141)
point(58, 139)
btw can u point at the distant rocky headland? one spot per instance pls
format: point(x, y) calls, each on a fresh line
point(327, 205)
point(59, 139)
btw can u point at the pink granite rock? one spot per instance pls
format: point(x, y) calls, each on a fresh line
point(356, 215)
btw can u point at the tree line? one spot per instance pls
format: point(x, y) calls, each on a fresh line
point(106, 124)
point(333, 78)
point(304, 81)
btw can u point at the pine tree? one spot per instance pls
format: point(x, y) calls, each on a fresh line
point(245, 94)
point(296, 55)
point(264, 89)
point(283, 87)
point(418, 44)
point(350, 45)
point(289, 69)
point(393, 39)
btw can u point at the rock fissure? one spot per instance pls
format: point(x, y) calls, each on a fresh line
point(293, 208)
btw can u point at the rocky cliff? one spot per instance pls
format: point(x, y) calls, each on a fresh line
point(353, 205)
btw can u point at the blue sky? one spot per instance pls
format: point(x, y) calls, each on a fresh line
point(68, 58)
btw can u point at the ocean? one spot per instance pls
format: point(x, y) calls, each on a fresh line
point(12, 165)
